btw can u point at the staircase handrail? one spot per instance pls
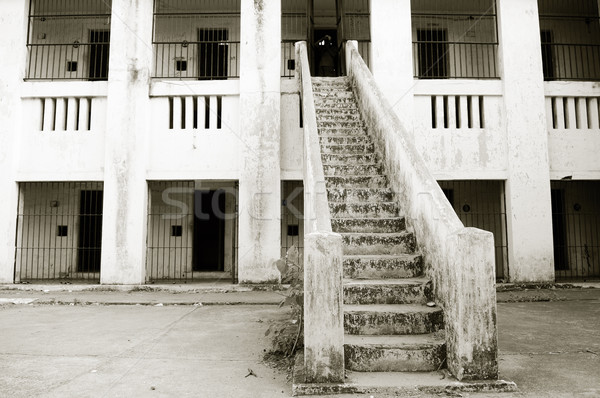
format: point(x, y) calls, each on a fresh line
point(323, 289)
point(460, 261)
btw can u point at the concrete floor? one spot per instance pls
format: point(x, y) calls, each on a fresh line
point(549, 348)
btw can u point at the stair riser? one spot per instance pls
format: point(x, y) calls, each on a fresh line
point(345, 140)
point(349, 124)
point(349, 149)
point(344, 114)
point(385, 268)
point(360, 195)
point(333, 101)
point(382, 225)
point(321, 94)
point(341, 131)
point(387, 294)
point(375, 359)
point(353, 170)
point(356, 182)
point(375, 323)
point(342, 159)
point(378, 245)
point(363, 210)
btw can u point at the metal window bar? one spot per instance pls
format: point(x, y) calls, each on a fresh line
point(294, 27)
point(196, 39)
point(292, 225)
point(570, 36)
point(59, 231)
point(357, 25)
point(175, 239)
point(68, 40)
point(576, 230)
point(454, 40)
point(481, 204)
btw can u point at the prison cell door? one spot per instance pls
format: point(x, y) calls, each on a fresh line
point(99, 48)
point(209, 230)
point(90, 231)
point(213, 54)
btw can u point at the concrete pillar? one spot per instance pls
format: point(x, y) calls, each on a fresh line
point(323, 309)
point(528, 207)
point(260, 98)
point(125, 190)
point(470, 310)
point(13, 29)
point(391, 55)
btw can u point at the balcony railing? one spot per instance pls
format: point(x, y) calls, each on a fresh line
point(455, 40)
point(196, 39)
point(68, 40)
point(570, 38)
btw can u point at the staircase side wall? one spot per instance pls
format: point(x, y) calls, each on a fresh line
point(469, 306)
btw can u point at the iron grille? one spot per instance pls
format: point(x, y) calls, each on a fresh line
point(455, 39)
point(480, 204)
point(294, 27)
point(576, 229)
point(196, 39)
point(59, 231)
point(68, 40)
point(570, 36)
point(192, 231)
point(292, 221)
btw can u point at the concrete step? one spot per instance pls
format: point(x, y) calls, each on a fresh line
point(360, 211)
point(345, 158)
point(332, 100)
point(392, 319)
point(341, 124)
point(344, 131)
point(352, 169)
point(345, 139)
point(340, 106)
point(369, 225)
point(361, 243)
point(335, 113)
point(348, 148)
point(387, 291)
point(374, 181)
point(341, 92)
point(360, 195)
point(419, 353)
point(383, 267)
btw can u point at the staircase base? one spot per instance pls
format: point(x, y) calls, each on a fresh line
point(394, 383)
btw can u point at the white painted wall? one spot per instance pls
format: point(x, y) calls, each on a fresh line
point(292, 148)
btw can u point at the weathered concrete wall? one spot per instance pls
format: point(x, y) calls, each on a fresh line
point(291, 131)
point(529, 212)
point(434, 222)
point(125, 188)
point(260, 102)
point(323, 291)
point(13, 27)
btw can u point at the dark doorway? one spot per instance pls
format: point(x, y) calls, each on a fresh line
point(213, 53)
point(326, 54)
point(547, 54)
point(209, 230)
point(559, 231)
point(99, 47)
point(433, 50)
point(90, 231)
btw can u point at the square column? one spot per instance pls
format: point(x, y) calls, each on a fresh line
point(128, 107)
point(391, 55)
point(13, 27)
point(528, 206)
point(260, 99)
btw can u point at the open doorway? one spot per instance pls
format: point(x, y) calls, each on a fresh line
point(326, 54)
point(213, 54)
point(209, 230)
point(90, 231)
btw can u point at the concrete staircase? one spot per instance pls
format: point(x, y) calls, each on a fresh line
point(388, 326)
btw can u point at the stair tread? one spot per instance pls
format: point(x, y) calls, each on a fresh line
point(385, 282)
point(381, 256)
point(395, 341)
point(391, 308)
